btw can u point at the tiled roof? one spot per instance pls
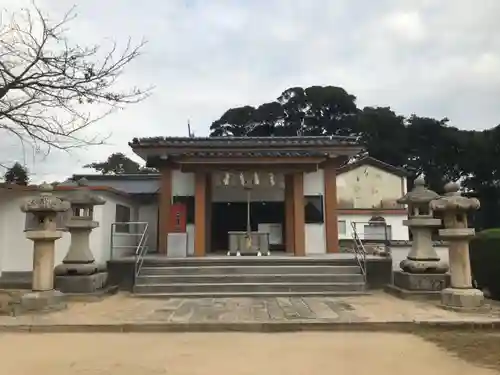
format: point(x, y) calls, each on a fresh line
point(240, 154)
point(60, 187)
point(243, 142)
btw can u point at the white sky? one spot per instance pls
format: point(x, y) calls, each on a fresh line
point(433, 58)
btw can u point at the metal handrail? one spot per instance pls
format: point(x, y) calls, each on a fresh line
point(141, 251)
point(359, 250)
point(129, 235)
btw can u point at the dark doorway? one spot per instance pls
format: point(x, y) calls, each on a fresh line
point(232, 216)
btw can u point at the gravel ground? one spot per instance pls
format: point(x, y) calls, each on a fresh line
point(231, 353)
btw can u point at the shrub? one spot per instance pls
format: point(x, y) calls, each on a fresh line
point(485, 261)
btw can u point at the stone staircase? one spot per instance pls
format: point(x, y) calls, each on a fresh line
point(249, 276)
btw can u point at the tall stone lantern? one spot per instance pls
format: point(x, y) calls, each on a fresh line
point(79, 273)
point(423, 273)
point(45, 208)
point(454, 206)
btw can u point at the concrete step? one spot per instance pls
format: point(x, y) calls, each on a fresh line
point(250, 294)
point(250, 261)
point(183, 288)
point(249, 278)
point(249, 270)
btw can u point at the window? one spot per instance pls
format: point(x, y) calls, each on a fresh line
point(188, 200)
point(342, 227)
point(122, 216)
point(313, 205)
point(378, 232)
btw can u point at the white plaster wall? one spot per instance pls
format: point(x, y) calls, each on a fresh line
point(3, 228)
point(17, 251)
point(314, 184)
point(190, 236)
point(366, 186)
point(119, 241)
point(149, 213)
point(315, 239)
point(399, 231)
point(182, 183)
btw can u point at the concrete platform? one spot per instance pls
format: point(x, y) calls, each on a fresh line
point(123, 313)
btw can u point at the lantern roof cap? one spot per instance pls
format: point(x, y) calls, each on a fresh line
point(45, 201)
point(419, 194)
point(453, 200)
point(83, 195)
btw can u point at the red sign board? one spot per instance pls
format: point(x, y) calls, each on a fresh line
point(178, 218)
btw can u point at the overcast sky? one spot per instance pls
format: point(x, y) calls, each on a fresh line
point(438, 58)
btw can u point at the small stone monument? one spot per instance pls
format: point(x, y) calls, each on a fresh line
point(461, 295)
point(423, 274)
point(45, 208)
point(79, 272)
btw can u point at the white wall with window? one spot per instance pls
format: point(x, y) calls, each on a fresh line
point(314, 191)
point(394, 227)
point(16, 252)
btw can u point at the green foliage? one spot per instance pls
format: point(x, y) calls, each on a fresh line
point(485, 260)
point(17, 174)
point(421, 145)
point(118, 163)
point(491, 233)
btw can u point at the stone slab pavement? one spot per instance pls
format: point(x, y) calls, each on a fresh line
point(123, 312)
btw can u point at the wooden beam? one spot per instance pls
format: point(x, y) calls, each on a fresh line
point(331, 212)
point(299, 223)
point(208, 214)
point(237, 168)
point(200, 214)
point(289, 223)
point(253, 160)
point(164, 207)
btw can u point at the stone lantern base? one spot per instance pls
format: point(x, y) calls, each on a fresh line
point(43, 301)
point(82, 278)
point(462, 299)
point(418, 285)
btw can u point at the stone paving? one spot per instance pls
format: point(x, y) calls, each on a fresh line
point(125, 309)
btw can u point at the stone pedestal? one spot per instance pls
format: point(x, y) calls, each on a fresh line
point(79, 273)
point(46, 301)
point(43, 258)
point(418, 285)
point(461, 295)
point(45, 208)
point(462, 299)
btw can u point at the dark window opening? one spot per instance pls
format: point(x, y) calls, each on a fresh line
point(424, 210)
point(122, 215)
point(313, 206)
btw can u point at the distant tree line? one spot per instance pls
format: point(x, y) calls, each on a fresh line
point(422, 145)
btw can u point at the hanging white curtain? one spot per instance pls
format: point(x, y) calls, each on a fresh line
point(249, 179)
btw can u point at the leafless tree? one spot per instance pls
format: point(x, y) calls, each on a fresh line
point(51, 88)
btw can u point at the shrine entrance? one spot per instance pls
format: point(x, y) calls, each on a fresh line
point(250, 207)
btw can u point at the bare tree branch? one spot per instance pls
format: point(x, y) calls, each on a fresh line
point(50, 88)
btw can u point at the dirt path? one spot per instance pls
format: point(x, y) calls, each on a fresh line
point(227, 353)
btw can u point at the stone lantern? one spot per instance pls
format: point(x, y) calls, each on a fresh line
point(45, 208)
point(79, 272)
point(454, 206)
point(423, 274)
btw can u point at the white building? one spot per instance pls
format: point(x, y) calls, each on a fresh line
point(364, 195)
